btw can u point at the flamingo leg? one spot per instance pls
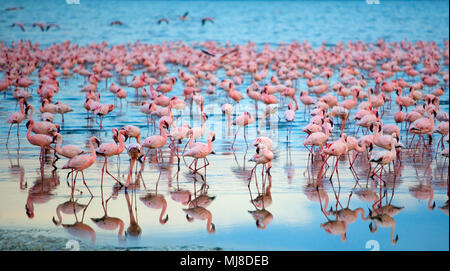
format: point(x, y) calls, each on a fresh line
point(7, 140)
point(235, 135)
point(84, 182)
point(106, 169)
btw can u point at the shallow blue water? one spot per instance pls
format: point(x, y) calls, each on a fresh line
point(296, 219)
point(235, 21)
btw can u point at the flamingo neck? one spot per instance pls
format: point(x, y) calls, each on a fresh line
point(121, 227)
point(58, 214)
point(30, 127)
point(121, 144)
point(93, 153)
point(21, 108)
point(58, 145)
point(163, 210)
point(32, 111)
point(392, 233)
point(209, 223)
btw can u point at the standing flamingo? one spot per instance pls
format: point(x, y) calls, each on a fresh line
point(81, 162)
point(17, 118)
point(242, 120)
point(110, 149)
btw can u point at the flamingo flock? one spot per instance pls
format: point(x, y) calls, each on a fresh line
point(362, 102)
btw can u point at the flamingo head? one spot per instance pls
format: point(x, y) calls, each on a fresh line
point(164, 124)
point(29, 211)
point(30, 122)
point(124, 133)
point(213, 136)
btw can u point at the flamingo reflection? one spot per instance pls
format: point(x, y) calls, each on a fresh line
point(201, 213)
point(79, 228)
point(261, 215)
point(156, 201)
point(134, 229)
point(68, 207)
point(41, 191)
point(202, 200)
point(109, 223)
point(384, 220)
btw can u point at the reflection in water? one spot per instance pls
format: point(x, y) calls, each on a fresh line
point(133, 230)
point(261, 215)
point(67, 207)
point(180, 195)
point(41, 191)
point(79, 228)
point(201, 213)
point(109, 223)
point(384, 220)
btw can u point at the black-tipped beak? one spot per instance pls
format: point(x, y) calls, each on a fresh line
point(140, 159)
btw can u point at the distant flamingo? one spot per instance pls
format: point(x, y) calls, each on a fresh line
point(242, 120)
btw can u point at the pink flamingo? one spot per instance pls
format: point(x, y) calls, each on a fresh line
point(202, 214)
point(289, 115)
point(81, 162)
point(262, 156)
point(17, 118)
point(383, 158)
point(242, 120)
point(156, 141)
point(424, 126)
point(306, 100)
point(68, 151)
point(40, 140)
point(111, 149)
point(337, 149)
point(201, 151)
point(318, 138)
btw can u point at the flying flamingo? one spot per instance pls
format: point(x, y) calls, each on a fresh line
point(20, 25)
